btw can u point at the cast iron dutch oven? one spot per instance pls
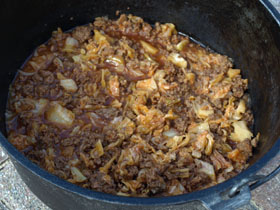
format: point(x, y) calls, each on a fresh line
point(246, 30)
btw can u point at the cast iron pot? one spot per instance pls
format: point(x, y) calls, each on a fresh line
point(246, 30)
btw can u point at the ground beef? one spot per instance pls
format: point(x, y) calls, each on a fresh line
point(122, 107)
point(82, 33)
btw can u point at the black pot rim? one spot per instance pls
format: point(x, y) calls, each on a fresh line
point(170, 200)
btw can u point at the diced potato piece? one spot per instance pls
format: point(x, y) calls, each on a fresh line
point(57, 114)
point(241, 131)
point(181, 45)
point(177, 60)
point(77, 175)
point(69, 85)
point(148, 47)
point(233, 73)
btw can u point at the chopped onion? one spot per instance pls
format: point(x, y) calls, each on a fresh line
point(77, 175)
point(116, 120)
point(171, 133)
point(181, 45)
point(70, 41)
point(34, 65)
point(108, 165)
point(99, 148)
point(70, 44)
point(69, 85)
point(196, 154)
point(26, 73)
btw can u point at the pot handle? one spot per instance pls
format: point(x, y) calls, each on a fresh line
point(238, 195)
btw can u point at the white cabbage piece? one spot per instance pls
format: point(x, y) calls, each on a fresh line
point(202, 111)
point(240, 110)
point(206, 168)
point(241, 131)
point(199, 128)
point(77, 175)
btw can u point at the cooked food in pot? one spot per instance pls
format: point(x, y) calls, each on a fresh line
point(122, 107)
